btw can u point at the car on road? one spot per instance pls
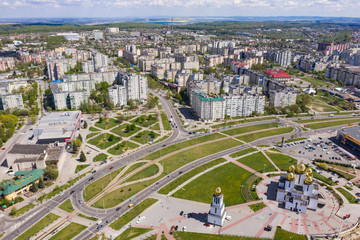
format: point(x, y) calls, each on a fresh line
point(3, 148)
point(72, 192)
point(181, 213)
point(110, 168)
point(92, 178)
point(93, 171)
point(80, 201)
point(62, 193)
point(180, 172)
point(118, 208)
point(176, 227)
point(206, 224)
point(100, 226)
point(184, 228)
point(107, 221)
point(131, 205)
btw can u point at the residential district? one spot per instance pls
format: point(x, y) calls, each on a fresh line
point(136, 131)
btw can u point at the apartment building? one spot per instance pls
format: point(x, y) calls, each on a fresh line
point(244, 104)
point(207, 108)
point(282, 98)
point(11, 101)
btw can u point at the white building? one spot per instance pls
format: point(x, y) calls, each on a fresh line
point(11, 102)
point(244, 104)
point(282, 98)
point(297, 189)
point(118, 95)
point(217, 211)
point(207, 108)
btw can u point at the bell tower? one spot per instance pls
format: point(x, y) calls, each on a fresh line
point(217, 211)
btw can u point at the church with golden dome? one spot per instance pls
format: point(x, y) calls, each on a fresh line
point(297, 189)
point(217, 211)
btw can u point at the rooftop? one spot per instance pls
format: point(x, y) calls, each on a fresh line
point(28, 149)
point(277, 74)
point(25, 178)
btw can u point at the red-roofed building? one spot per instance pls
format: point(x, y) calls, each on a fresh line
point(278, 76)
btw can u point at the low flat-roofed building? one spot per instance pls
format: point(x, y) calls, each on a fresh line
point(14, 188)
point(350, 137)
point(57, 127)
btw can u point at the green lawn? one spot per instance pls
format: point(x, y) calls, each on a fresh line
point(23, 210)
point(147, 172)
point(37, 227)
point(282, 161)
point(332, 123)
point(243, 152)
point(67, 206)
point(96, 187)
point(94, 129)
point(155, 127)
point(255, 136)
point(69, 232)
point(351, 198)
point(122, 147)
point(107, 123)
point(204, 236)
point(323, 179)
point(251, 128)
point(258, 162)
point(229, 177)
point(121, 130)
point(91, 135)
point(145, 121)
point(165, 121)
point(281, 234)
point(257, 206)
point(183, 144)
point(133, 167)
point(144, 137)
point(87, 217)
point(104, 140)
point(231, 123)
point(81, 167)
point(317, 82)
point(170, 164)
point(186, 176)
point(132, 233)
point(101, 157)
point(131, 214)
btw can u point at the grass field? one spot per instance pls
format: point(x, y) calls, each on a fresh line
point(317, 82)
point(251, 128)
point(107, 123)
point(229, 177)
point(281, 234)
point(351, 198)
point(81, 167)
point(101, 157)
point(257, 206)
point(121, 130)
point(332, 123)
point(143, 137)
point(23, 210)
point(37, 227)
point(145, 121)
point(69, 232)
point(67, 206)
point(132, 233)
point(96, 187)
point(122, 147)
point(131, 214)
point(94, 129)
point(323, 179)
point(104, 140)
point(255, 136)
point(231, 123)
point(282, 161)
point(91, 135)
point(204, 236)
point(243, 152)
point(186, 176)
point(258, 162)
point(145, 173)
point(155, 127)
point(183, 144)
point(87, 217)
point(165, 121)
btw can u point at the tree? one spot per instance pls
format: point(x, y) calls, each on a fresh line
point(80, 137)
point(111, 138)
point(323, 166)
point(101, 119)
point(85, 125)
point(74, 147)
point(41, 183)
point(82, 157)
point(34, 187)
point(13, 211)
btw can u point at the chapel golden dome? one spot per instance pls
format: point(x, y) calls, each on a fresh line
point(301, 168)
point(218, 191)
point(309, 180)
point(309, 172)
point(291, 168)
point(291, 177)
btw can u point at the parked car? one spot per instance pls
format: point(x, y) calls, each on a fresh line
point(111, 168)
point(118, 208)
point(100, 226)
point(268, 228)
point(93, 171)
point(181, 213)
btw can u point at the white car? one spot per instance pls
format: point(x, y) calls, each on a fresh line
point(184, 228)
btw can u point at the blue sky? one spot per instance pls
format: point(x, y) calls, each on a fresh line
point(157, 8)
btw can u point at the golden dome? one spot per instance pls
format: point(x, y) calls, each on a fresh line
point(301, 168)
point(309, 180)
point(291, 168)
point(309, 171)
point(291, 177)
point(218, 191)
